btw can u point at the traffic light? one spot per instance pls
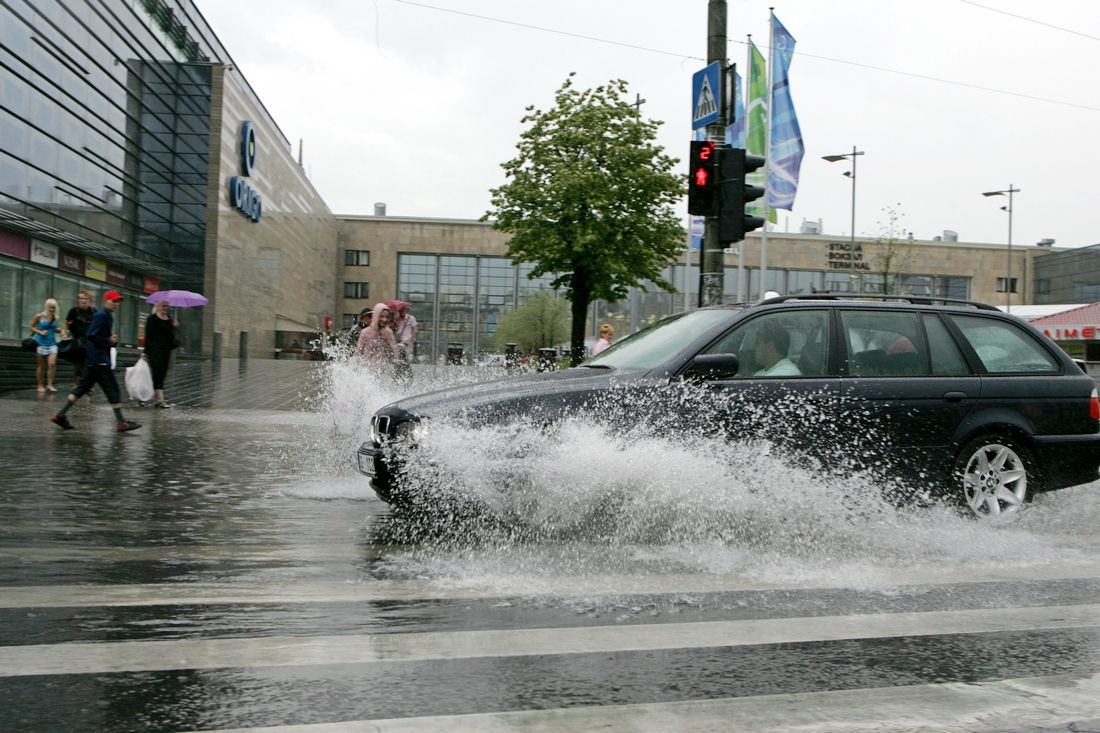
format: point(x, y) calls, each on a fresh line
point(703, 178)
point(734, 164)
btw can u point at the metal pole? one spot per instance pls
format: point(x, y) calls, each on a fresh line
point(711, 259)
point(1008, 279)
point(853, 234)
point(1008, 285)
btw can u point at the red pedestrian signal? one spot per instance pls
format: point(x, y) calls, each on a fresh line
point(702, 191)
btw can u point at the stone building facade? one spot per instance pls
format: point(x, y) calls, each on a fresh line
point(460, 282)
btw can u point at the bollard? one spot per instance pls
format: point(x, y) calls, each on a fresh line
point(243, 348)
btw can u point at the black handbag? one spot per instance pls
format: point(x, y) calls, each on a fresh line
point(29, 345)
point(71, 350)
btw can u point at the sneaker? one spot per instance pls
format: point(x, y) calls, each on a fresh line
point(164, 405)
point(127, 425)
point(62, 421)
point(51, 389)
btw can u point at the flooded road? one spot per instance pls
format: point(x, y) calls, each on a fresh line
point(224, 568)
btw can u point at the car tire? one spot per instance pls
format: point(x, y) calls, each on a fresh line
point(993, 475)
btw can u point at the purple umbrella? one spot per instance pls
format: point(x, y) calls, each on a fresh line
point(178, 298)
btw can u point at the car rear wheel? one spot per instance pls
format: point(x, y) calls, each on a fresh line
point(992, 474)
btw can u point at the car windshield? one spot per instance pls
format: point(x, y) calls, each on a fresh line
point(658, 343)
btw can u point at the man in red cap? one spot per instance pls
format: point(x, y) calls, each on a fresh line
point(98, 341)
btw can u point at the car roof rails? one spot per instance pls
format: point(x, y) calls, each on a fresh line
point(914, 299)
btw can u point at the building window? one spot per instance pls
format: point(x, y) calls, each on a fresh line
point(357, 257)
point(356, 290)
point(1006, 284)
point(1042, 286)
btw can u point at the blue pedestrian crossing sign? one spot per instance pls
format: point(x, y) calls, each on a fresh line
point(704, 96)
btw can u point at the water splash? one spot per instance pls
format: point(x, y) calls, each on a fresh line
point(589, 494)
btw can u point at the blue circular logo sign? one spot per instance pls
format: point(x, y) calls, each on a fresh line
point(248, 149)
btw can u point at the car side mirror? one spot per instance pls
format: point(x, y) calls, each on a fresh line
point(714, 366)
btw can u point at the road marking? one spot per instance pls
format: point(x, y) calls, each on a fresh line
point(59, 596)
point(1040, 702)
point(277, 651)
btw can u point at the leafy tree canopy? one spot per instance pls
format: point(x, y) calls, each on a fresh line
point(542, 320)
point(590, 198)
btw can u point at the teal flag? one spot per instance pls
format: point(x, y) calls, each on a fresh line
point(785, 156)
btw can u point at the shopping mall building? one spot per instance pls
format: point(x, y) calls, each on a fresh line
point(135, 156)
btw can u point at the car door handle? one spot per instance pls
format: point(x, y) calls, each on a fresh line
point(954, 396)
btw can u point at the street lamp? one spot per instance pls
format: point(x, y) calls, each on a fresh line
point(1008, 280)
point(851, 174)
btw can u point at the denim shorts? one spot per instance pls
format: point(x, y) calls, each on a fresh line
point(47, 350)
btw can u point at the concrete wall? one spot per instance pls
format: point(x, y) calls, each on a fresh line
point(386, 237)
point(282, 269)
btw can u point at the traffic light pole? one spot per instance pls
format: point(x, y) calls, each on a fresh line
point(712, 259)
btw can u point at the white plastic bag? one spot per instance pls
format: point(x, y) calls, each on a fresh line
point(139, 381)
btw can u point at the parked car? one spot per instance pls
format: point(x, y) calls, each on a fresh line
point(970, 401)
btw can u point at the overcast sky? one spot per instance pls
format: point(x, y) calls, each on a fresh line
point(417, 104)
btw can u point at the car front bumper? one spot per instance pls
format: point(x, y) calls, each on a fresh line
point(370, 460)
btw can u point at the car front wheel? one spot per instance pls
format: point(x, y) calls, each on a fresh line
point(992, 472)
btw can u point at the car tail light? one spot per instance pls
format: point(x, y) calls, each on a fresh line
point(1094, 406)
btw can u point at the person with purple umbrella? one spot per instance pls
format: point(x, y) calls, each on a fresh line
point(161, 337)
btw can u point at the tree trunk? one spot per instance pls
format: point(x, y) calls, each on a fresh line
point(582, 293)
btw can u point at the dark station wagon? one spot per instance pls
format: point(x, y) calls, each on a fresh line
point(962, 399)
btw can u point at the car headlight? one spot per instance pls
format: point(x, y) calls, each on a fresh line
point(412, 430)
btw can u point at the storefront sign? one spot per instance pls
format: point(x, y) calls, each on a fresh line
point(150, 285)
point(116, 276)
point(845, 256)
point(1072, 333)
point(72, 262)
point(15, 245)
point(245, 199)
point(44, 254)
point(95, 269)
point(242, 196)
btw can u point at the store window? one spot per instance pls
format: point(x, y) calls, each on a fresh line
point(10, 326)
point(37, 286)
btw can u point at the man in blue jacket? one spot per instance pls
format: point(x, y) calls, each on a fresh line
point(98, 341)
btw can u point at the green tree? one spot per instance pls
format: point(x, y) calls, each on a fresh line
point(589, 198)
point(893, 251)
point(542, 320)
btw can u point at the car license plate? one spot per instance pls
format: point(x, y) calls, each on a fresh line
point(366, 464)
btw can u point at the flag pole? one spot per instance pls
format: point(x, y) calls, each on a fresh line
point(745, 142)
point(767, 153)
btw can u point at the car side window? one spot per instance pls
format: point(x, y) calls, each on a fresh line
point(883, 343)
point(787, 344)
point(1004, 347)
point(947, 360)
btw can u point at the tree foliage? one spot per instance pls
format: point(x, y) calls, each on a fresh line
point(893, 253)
point(590, 199)
point(542, 320)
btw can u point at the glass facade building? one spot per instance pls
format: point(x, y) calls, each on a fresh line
point(105, 126)
point(458, 300)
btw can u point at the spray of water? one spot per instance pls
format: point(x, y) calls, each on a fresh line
point(592, 493)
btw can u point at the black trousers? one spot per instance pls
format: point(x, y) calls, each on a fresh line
point(102, 375)
point(158, 365)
